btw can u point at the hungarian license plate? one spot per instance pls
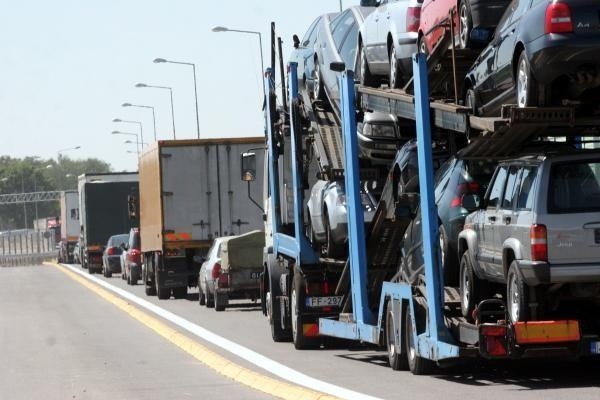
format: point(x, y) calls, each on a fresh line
point(254, 275)
point(326, 301)
point(595, 347)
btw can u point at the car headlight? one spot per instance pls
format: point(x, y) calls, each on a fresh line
point(379, 130)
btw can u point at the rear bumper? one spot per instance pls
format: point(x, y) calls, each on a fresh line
point(555, 55)
point(377, 149)
point(539, 273)
point(114, 263)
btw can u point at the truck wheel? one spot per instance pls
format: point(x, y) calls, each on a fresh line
point(220, 302)
point(180, 292)
point(149, 287)
point(278, 333)
point(417, 364)
point(301, 342)
point(397, 359)
point(163, 293)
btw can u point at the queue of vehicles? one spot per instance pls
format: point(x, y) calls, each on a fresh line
point(471, 240)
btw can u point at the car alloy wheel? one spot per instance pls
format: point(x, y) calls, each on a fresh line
point(422, 45)
point(522, 84)
point(394, 70)
point(317, 82)
point(465, 286)
point(470, 101)
point(514, 299)
point(464, 25)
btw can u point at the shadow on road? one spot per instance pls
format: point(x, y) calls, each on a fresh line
point(538, 374)
point(235, 306)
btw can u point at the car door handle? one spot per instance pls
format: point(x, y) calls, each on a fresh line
point(506, 220)
point(492, 219)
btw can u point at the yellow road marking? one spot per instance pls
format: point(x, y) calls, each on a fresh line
point(220, 364)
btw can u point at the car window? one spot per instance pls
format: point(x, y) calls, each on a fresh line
point(497, 188)
point(310, 33)
point(443, 177)
point(526, 189)
point(117, 241)
point(574, 187)
point(341, 29)
point(334, 22)
point(509, 192)
point(218, 252)
point(506, 18)
point(348, 49)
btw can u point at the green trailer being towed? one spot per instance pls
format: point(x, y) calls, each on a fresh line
point(107, 205)
point(240, 269)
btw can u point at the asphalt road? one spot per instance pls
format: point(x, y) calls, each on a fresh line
point(59, 340)
point(45, 307)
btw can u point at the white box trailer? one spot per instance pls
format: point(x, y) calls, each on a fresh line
point(69, 216)
point(191, 193)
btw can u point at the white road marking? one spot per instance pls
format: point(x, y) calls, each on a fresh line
point(271, 366)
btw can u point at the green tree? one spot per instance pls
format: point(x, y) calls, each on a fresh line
point(32, 174)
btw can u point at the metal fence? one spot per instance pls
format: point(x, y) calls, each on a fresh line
point(26, 247)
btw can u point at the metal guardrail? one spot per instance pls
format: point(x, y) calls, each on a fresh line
point(21, 248)
point(34, 197)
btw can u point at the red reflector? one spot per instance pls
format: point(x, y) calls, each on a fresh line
point(539, 243)
point(413, 19)
point(558, 18)
point(223, 280)
point(456, 202)
point(310, 330)
point(494, 339)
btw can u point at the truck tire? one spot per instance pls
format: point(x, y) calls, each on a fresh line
point(301, 342)
point(220, 301)
point(162, 292)
point(397, 359)
point(278, 333)
point(417, 364)
point(180, 292)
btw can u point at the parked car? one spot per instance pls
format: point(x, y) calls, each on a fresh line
point(328, 221)
point(536, 233)
point(111, 256)
point(77, 254)
point(337, 42)
point(543, 53)
point(468, 14)
point(454, 180)
point(236, 273)
point(205, 278)
point(131, 258)
point(387, 42)
point(378, 136)
point(304, 51)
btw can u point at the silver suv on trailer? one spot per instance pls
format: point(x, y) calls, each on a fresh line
point(537, 233)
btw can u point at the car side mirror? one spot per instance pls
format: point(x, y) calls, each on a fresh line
point(248, 167)
point(337, 66)
point(481, 36)
point(471, 202)
point(296, 40)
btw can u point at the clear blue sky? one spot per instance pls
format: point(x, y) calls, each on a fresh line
point(68, 65)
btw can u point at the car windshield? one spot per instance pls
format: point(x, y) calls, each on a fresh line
point(118, 240)
point(479, 171)
point(574, 187)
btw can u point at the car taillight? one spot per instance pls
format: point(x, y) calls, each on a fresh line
point(539, 243)
point(461, 190)
point(111, 251)
point(223, 281)
point(216, 271)
point(558, 18)
point(413, 19)
point(134, 255)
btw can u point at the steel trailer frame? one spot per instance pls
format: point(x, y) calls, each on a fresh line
point(436, 343)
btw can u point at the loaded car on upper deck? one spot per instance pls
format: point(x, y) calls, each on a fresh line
point(543, 53)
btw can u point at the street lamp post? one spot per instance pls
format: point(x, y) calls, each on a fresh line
point(59, 152)
point(132, 122)
point(262, 64)
point(141, 106)
point(170, 89)
point(137, 138)
point(162, 60)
